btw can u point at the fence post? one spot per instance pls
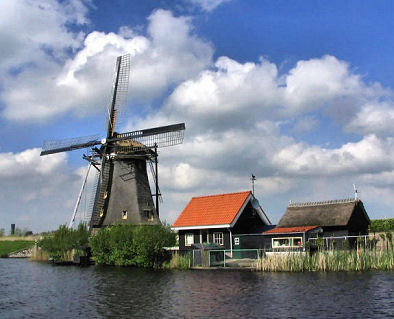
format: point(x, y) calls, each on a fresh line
point(224, 258)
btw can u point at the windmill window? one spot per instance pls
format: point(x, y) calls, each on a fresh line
point(101, 212)
point(105, 195)
point(124, 214)
point(149, 215)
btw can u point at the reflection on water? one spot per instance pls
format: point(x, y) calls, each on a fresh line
point(36, 290)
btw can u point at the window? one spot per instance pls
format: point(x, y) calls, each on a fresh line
point(236, 241)
point(149, 215)
point(124, 214)
point(218, 238)
point(286, 242)
point(189, 239)
point(204, 238)
point(101, 212)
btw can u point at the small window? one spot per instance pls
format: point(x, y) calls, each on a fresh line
point(287, 242)
point(101, 212)
point(189, 239)
point(218, 238)
point(105, 195)
point(236, 241)
point(149, 215)
point(124, 214)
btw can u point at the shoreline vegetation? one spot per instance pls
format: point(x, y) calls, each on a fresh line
point(329, 261)
point(144, 246)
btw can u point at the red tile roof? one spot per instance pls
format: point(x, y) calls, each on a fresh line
point(285, 230)
point(212, 210)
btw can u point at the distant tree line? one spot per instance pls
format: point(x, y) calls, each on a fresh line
point(18, 232)
point(382, 225)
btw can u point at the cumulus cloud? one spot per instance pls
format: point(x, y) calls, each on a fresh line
point(28, 29)
point(37, 192)
point(47, 87)
point(208, 5)
point(374, 117)
point(234, 112)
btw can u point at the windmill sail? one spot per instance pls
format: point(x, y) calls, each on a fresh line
point(122, 191)
point(162, 136)
point(119, 92)
point(70, 144)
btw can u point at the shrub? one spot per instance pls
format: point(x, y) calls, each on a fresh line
point(60, 245)
point(129, 245)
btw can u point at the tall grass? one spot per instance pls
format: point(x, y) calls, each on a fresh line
point(179, 262)
point(335, 260)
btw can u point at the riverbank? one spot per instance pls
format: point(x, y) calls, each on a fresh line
point(7, 246)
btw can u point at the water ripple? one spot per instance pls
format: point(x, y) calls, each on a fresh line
point(38, 290)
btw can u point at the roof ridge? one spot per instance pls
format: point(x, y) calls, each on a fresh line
point(326, 202)
point(204, 196)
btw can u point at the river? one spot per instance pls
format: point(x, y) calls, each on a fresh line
point(38, 290)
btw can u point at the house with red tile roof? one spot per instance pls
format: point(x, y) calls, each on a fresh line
point(217, 219)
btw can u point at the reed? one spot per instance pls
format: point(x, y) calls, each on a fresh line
point(39, 254)
point(179, 262)
point(335, 260)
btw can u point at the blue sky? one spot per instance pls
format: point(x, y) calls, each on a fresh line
point(298, 92)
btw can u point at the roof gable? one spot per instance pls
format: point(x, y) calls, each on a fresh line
point(329, 213)
point(220, 210)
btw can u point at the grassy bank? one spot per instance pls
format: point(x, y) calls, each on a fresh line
point(329, 261)
point(7, 246)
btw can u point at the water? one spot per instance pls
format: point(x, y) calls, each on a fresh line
point(38, 290)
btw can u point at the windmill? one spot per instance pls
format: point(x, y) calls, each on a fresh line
point(123, 193)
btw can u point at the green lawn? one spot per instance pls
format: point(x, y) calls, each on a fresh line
point(7, 247)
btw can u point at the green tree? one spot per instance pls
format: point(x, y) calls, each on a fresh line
point(2, 232)
point(61, 243)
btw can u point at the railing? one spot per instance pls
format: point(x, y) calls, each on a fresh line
point(248, 258)
point(236, 258)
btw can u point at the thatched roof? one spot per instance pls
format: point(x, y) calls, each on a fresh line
point(329, 213)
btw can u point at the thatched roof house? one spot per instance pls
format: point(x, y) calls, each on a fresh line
point(337, 218)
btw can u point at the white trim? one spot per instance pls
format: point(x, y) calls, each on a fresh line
point(200, 227)
point(231, 242)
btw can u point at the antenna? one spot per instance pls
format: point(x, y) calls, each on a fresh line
point(355, 192)
point(252, 178)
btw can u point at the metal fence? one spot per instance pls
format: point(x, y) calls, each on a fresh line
point(248, 258)
point(236, 258)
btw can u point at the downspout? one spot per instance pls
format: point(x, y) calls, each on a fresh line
point(304, 243)
point(231, 243)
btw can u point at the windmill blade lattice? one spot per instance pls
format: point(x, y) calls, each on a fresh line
point(159, 136)
point(70, 144)
point(120, 90)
